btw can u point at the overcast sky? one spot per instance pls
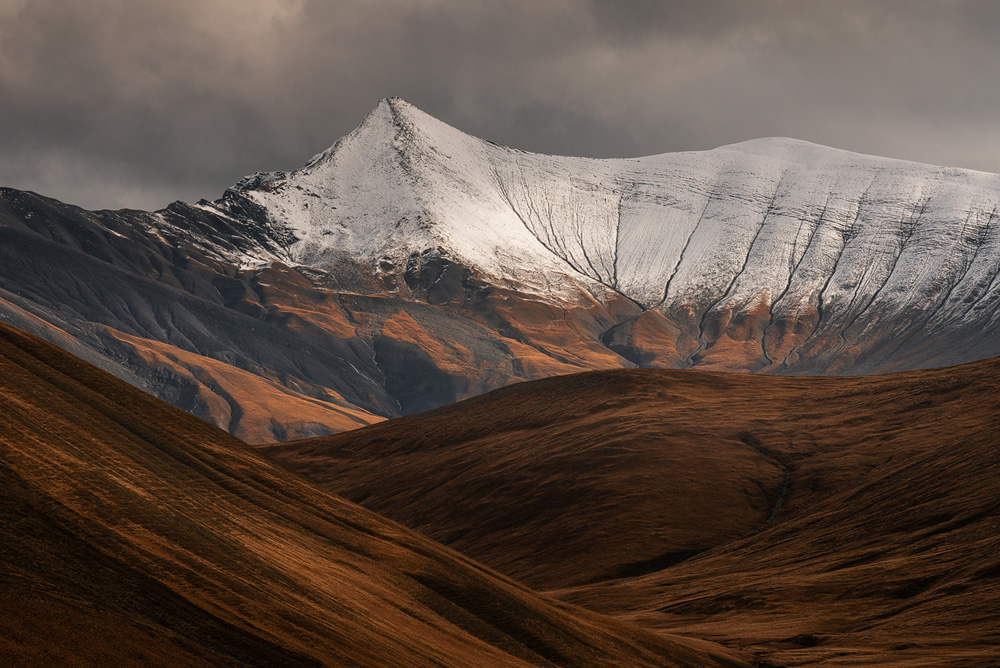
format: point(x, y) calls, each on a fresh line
point(111, 103)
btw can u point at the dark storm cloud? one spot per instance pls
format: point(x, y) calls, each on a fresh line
point(107, 103)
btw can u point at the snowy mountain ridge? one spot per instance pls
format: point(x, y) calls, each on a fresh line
point(780, 228)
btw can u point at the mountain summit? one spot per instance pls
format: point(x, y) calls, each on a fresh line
point(404, 182)
point(410, 265)
point(767, 236)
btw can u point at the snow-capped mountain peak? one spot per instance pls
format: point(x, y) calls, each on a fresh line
point(775, 227)
point(404, 182)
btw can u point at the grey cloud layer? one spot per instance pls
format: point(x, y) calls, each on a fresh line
point(107, 103)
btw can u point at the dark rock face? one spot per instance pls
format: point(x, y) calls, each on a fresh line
point(414, 379)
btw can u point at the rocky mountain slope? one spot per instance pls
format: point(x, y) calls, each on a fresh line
point(135, 534)
point(411, 265)
point(805, 521)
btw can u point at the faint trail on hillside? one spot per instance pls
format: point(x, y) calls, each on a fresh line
point(752, 441)
point(781, 497)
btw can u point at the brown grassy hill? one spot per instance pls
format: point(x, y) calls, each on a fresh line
point(133, 533)
point(867, 509)
point(560, 481)
point(900, 567)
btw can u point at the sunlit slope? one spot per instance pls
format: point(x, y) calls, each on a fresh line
point(134, 533)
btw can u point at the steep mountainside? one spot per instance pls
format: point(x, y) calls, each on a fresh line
point(411, 265)
point(773, 254)
point(833, 521)
point(135, 534)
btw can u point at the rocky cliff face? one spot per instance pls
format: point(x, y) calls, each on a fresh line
point(411, 265)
